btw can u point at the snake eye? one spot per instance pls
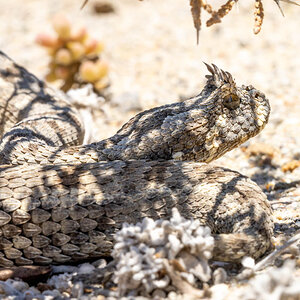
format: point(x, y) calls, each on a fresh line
point(232, 101)
point(258, 94)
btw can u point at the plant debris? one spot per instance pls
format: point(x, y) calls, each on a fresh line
point(217, 15)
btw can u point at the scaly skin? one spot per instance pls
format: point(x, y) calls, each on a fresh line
point(199, 129)
point(63, 203)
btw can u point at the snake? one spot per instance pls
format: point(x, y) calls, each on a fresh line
point(63, 202)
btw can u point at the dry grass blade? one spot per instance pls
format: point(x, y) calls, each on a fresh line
point(277, 2)
point(84, 4)
point(271, 257)
point(259, 16)
point(222, 12)
point(188, 291)
point(287, 1)
point(216, 16)
point(196, 14)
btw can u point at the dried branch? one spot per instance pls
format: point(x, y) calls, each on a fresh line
point(84, 4)
point(196, 14)
point(259, 16)
point(287, 1)
point(222, 12)
point(216, 16)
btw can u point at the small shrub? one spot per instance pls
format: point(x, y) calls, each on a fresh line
point(75, 56)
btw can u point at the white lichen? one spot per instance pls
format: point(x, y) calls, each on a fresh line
point(143, 250)
point(86, 101)
point(61, 282)
point(275, 284)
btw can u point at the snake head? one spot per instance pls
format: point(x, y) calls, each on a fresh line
point(202, 128)
point(219, 119)
point(235, 113)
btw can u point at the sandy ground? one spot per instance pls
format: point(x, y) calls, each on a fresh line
point(153, 57)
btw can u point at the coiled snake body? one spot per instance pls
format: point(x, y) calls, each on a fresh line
point(63, 202)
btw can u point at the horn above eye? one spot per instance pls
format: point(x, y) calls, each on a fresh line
point(231, 101)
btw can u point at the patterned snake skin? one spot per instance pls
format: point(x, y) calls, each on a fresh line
point(62, 202)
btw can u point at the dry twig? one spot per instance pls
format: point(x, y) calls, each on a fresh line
point(196, 14)
point(259, 16)
point(216, 16)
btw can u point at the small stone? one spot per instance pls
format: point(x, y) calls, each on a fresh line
point(219, 276)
